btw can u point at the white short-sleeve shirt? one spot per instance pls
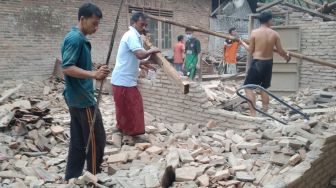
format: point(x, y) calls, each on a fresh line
point(126, 70)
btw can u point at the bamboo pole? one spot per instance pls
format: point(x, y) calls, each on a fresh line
point(206, 31)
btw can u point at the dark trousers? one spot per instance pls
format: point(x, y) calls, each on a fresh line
point(81, 119)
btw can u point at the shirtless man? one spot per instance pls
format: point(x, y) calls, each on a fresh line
point(262, 42)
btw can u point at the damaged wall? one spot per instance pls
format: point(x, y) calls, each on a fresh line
point(31, 32)
point(165, 101)
point(315, 170)
point(318, 40)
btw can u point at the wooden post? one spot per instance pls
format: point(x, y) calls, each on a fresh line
point(250, 28)
point(287, 18)
point(167, 68)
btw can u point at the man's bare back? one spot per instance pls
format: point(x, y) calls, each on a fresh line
point(265, 40)
point(262, 43)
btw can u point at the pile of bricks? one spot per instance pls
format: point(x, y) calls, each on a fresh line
point(211, 148)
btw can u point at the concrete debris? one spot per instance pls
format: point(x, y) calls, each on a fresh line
point(185, 174)
point(185, 156)
point(154, 150)
point(35, 136)
point(245, 176)
point(204, 180)
point(116, 158)
point(88, 177)
point(223, 174)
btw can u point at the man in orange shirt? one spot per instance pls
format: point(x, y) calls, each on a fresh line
point(230, 53)
point(179, 53)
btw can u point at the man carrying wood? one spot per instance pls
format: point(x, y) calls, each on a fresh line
point(79, 95)
point(230, 54)
point(262, 42)
point(192, 51)
point(127, 98)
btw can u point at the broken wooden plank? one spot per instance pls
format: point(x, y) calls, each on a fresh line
point(9, 92)
point(238, 76)
point(269, 5)
point(312, 12)
point(34, 154)
point(57, 72)
point(168, 69)
point(319, 110)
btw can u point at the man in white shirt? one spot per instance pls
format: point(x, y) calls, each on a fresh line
point(127, 98)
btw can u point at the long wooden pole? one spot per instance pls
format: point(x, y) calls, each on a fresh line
point(114, 32)
point(206, 31)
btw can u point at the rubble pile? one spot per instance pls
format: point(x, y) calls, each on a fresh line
point(317, 103)
point(212, 156)
point(35, 135)
point(33, 144)
point(314, 102)
point(222, 94)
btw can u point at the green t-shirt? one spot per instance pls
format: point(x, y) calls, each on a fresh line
point(76, 51)
point(193, 46)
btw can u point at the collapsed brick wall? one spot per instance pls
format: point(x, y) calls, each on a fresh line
point(164, 100)
point(315, 171)
point(318, 40)
point(32, 31)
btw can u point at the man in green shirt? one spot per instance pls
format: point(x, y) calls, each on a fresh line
point(192, 51)
point(79, 94)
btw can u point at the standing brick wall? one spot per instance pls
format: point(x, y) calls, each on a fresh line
point(31, 31)
point(164, 100)
point(318, 40)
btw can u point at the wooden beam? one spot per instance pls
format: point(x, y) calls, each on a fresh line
point(312, 12)
point(206, 31)
point(327, 8)
point(311, 3)
point(313, 60)
point(167, 68)
point(217, 9)
point(194, 28)
point(269, 5)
